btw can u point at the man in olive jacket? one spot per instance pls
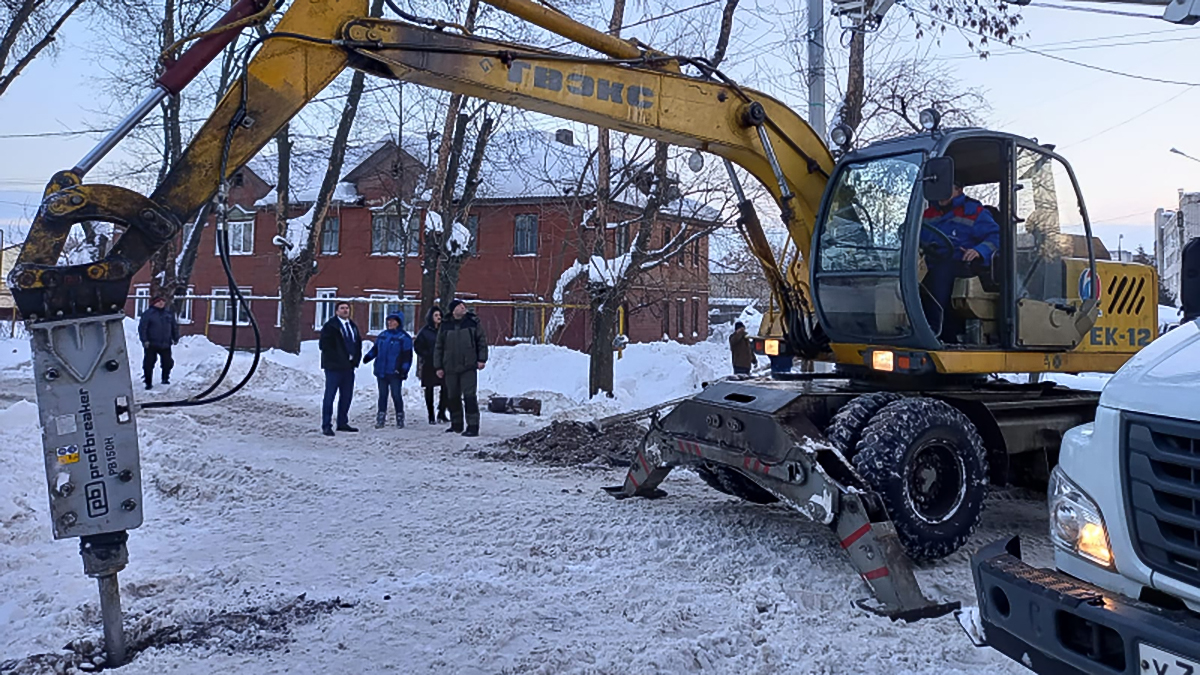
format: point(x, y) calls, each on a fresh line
point(459, 355)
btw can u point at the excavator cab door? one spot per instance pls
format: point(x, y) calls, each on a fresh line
point(1054, 281)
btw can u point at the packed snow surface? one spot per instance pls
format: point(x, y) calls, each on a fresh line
point(445, 563)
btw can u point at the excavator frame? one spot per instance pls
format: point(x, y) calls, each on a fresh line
point(762, 436)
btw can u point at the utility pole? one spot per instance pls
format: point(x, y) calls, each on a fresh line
point(816, 66)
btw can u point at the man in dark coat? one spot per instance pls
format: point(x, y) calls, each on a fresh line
point(158, 330)
point(423, 345)
point(461, 351)
point(743, 352)
point(341, 351)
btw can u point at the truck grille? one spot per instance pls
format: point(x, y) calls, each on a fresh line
point(1162, 489)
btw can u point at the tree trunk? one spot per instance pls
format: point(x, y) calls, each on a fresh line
point(452, 262)
point(433, 240)
point(851, 113)
point(163, 270)
point(600, 352)
point(295, 273)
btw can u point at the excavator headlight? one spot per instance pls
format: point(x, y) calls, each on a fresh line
point(883, 360)
point(771, 347)
point(841, 135)
point(930, 119)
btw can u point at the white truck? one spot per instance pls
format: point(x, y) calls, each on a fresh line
point(1125, 522)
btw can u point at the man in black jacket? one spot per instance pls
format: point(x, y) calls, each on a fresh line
point(157, 330)
point(341, 352)
point(460, 353)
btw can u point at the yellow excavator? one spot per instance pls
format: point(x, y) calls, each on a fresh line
point(893, 449)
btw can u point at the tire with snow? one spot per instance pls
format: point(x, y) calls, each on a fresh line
point(845, 429)
point(729, 481)
point(928, 464)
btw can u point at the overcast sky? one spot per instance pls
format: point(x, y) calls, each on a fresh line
point(1115, 130)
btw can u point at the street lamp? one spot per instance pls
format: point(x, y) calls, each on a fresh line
point(1180, 152)
point(1120, 237)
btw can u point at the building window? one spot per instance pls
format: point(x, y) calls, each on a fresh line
point(325, 308)
point(666, 235)
point(473, 228)
point(621, 239)
point(679, 319)
point(223, 311)
point(696, 254)
point(387, 234)
point(525, 323)
point(241, 237)
point(666, 319)
point(141, 300)
point(382, 306)
point(526, 234)
point(695, 317)
point(239, 180)
point(183, 306)
point(329, 235)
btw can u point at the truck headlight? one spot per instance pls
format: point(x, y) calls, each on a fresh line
point(1075, 521)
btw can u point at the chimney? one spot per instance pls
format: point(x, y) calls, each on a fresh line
point(565, 136)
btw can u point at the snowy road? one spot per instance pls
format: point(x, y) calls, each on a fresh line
point(454, 564)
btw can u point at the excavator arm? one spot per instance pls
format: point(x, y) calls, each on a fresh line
point(634, 90)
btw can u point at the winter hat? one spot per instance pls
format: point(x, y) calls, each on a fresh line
point(398, 316)
point(453, 304)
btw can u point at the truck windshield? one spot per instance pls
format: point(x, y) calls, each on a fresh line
point(864, 226)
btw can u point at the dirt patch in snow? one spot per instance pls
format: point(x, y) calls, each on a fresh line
point(254, 629)
point(570, 443)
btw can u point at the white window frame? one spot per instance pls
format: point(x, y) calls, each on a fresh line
point(185, 314)
point(241, 238)
point(214, 320)
point(337, 237)
point(325, 309)
point(532, 315)
point(377, 322)
point(141, 300)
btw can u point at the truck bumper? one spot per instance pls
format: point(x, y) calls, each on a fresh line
point(1054, 623)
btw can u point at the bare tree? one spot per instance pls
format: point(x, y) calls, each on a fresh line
point(297, 265)
point(30, 27)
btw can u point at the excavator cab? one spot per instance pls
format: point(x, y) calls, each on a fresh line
point(881, 252)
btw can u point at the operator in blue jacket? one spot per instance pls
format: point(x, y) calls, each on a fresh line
point(959, 237)
point(392, 355)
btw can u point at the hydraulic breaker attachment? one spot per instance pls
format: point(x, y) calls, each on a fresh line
point(759, 442)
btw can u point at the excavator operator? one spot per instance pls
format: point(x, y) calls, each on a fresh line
point(959, 236)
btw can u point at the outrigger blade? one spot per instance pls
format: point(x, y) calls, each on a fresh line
point(764, 434)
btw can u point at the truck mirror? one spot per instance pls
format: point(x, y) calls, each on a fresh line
point(938, 179)
point(1189, 280)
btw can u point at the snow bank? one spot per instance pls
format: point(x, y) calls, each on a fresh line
point(1168, 316)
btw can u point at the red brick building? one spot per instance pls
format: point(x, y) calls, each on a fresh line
point(526, 233)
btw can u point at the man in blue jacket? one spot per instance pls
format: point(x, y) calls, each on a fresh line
point(392, 355)
point(158, 330)
point(959, 238)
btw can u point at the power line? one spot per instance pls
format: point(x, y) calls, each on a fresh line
point(1081, 64)
point(1121, 124)
point(1096, 10)
point(1075, 47)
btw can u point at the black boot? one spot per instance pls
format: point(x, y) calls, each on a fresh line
point(472, 431)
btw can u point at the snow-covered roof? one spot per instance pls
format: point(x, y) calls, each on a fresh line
point(532, 164)
point(308, 169)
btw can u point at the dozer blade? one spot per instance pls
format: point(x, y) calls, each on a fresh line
point(762, 433)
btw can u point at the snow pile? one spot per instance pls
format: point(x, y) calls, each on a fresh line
point(460, 239)
point(433, 221)
point(298, 231)
point(646, 375)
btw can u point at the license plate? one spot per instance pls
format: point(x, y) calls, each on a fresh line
point(1155, 661)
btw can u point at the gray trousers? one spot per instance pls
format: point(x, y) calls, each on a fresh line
point(461, 389)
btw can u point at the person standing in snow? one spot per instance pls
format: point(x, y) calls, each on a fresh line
point(743, 352)
point(392, 354)
point(424, 345)
point(341, 350)
point(158, 330)
point(461, 351)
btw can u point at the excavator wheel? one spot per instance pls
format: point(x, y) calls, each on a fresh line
point(845, 430)
point(927, 462)
point(729, 481)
